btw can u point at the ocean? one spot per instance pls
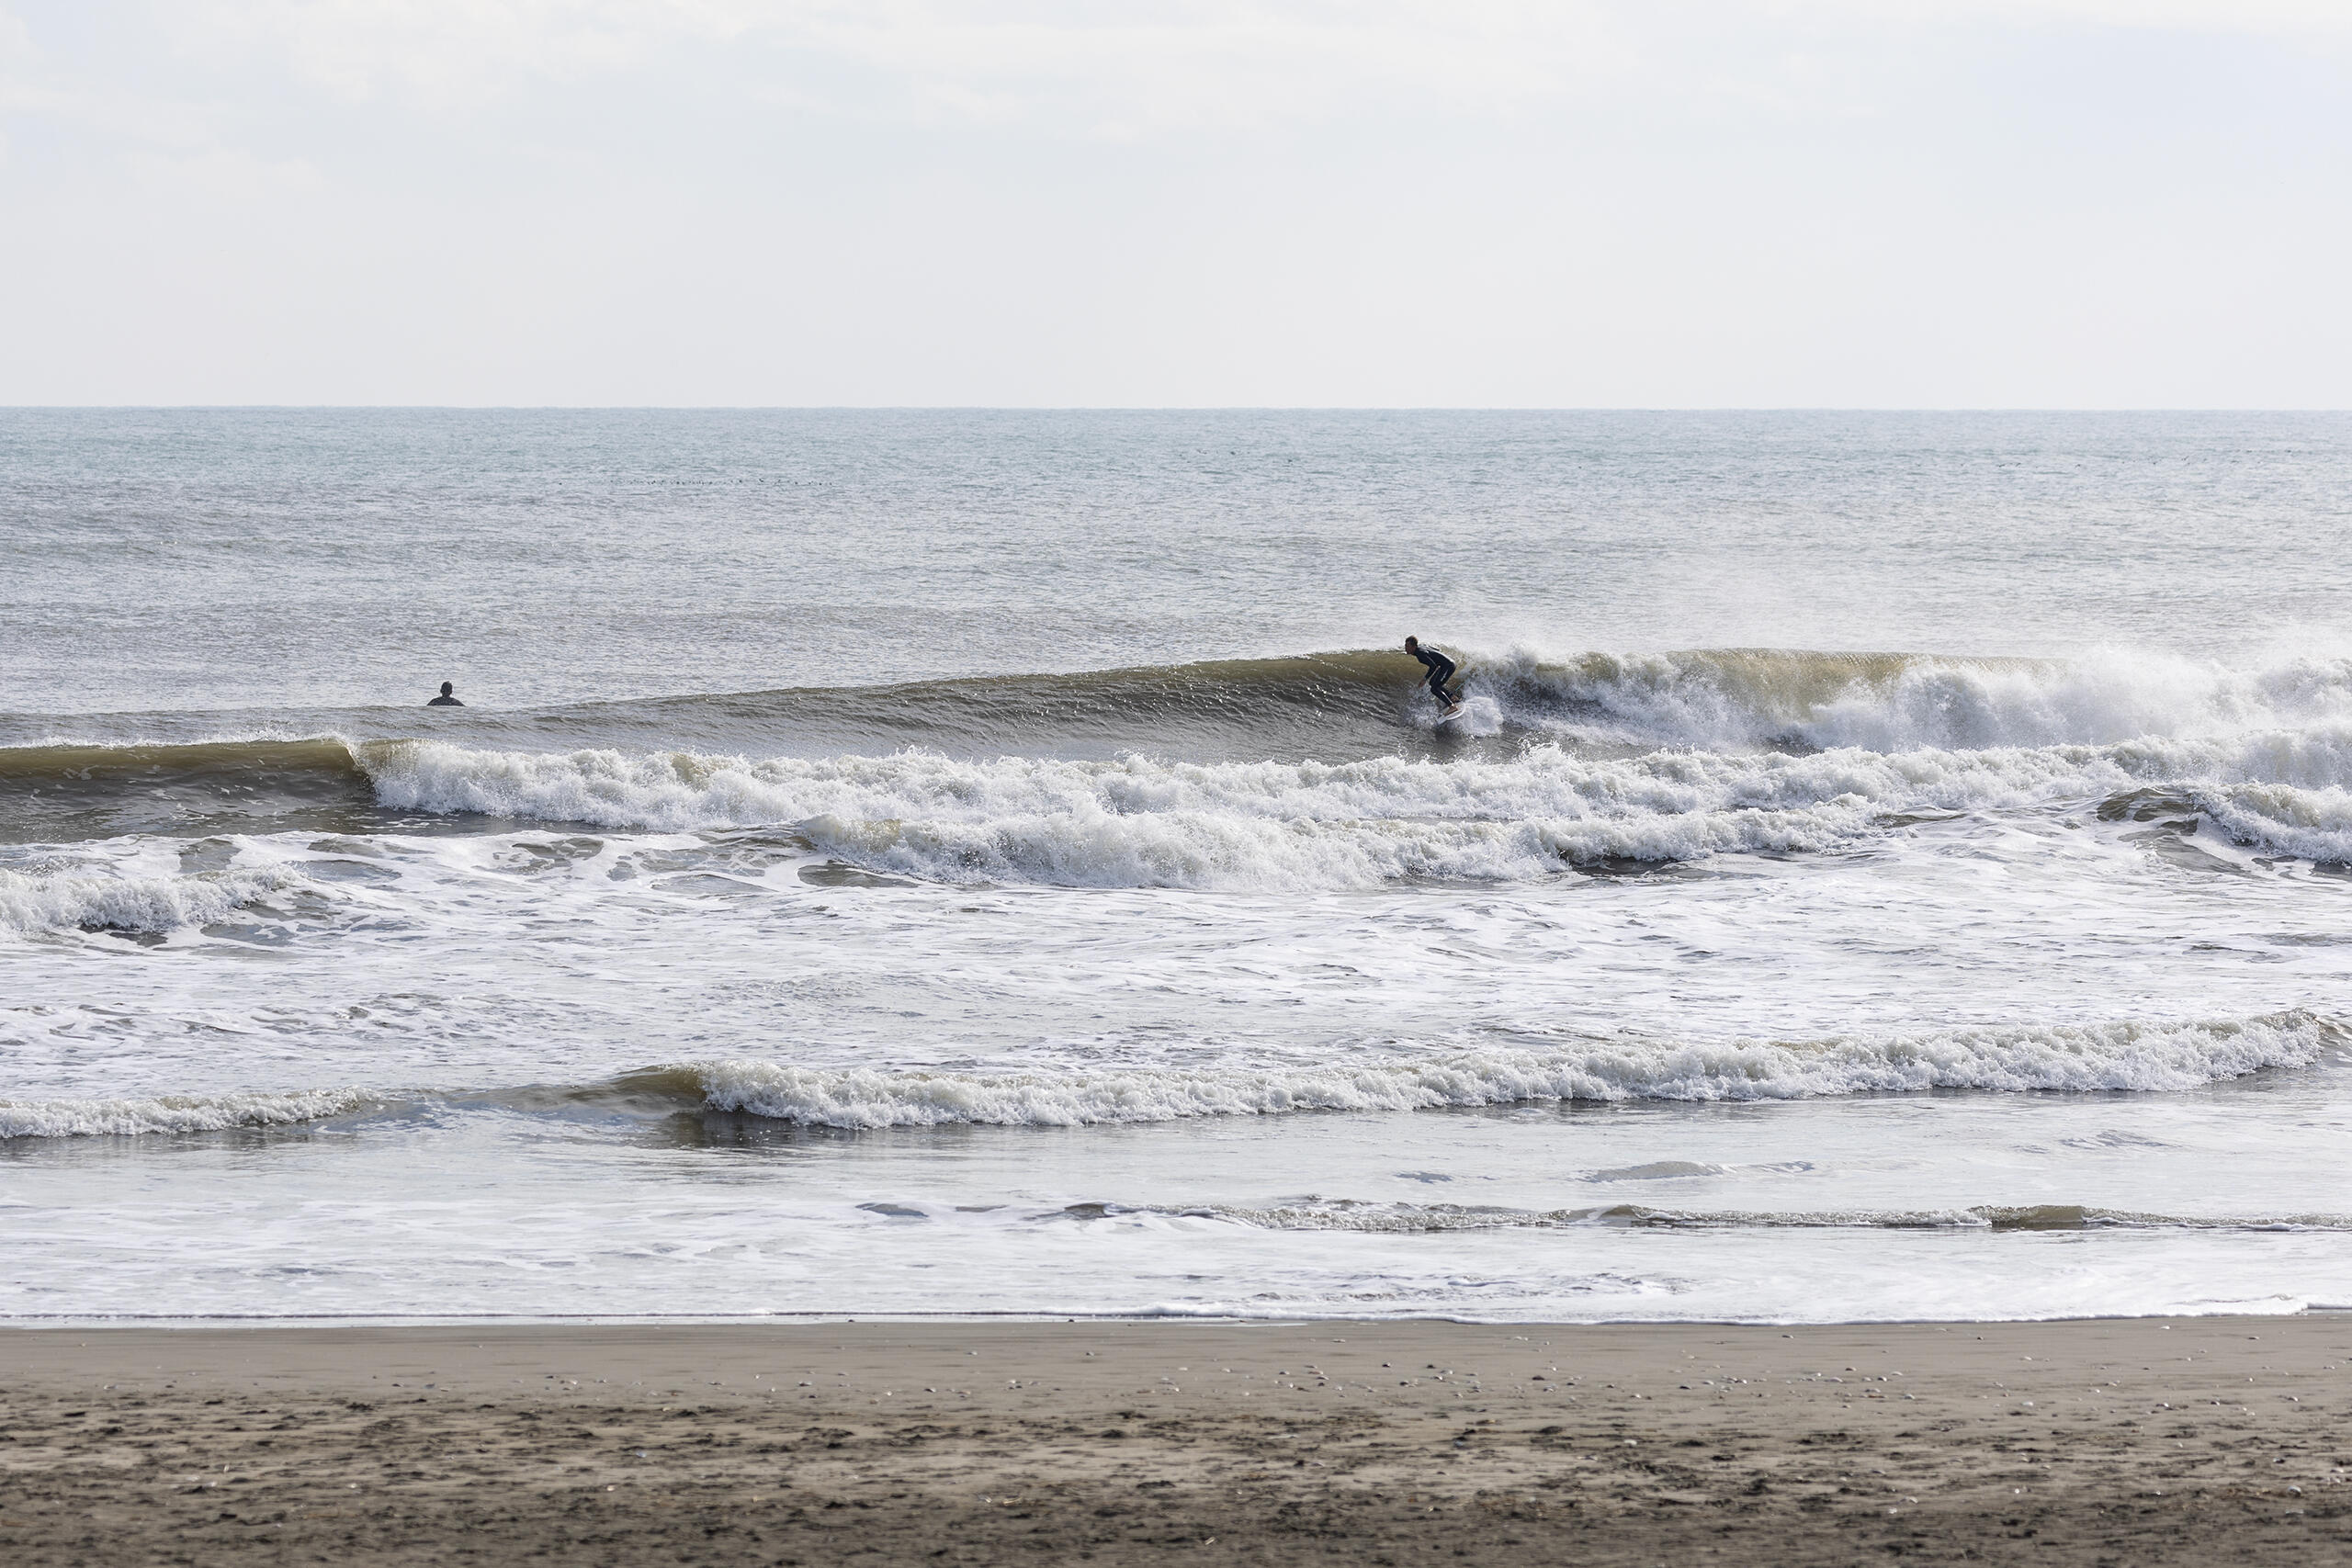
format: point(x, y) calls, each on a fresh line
point(1890, 866)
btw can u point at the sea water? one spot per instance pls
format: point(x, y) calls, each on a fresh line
point(1888, 866)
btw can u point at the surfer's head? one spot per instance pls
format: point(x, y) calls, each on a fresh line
point(1412, 645)
point(447, 688)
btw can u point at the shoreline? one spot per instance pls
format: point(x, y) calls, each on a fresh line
point(2082, 1440)
point(231, 1324)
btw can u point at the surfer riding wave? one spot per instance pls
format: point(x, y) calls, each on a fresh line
point(1441, 670)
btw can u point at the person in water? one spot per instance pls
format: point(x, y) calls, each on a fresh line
point(447, 698)
point(1441, 671)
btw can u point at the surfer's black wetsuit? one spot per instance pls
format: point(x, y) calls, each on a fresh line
point(1441, 671)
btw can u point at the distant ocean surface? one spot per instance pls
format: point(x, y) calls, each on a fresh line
point(1889, 866)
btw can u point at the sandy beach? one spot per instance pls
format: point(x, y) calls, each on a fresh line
point(2185, 1440)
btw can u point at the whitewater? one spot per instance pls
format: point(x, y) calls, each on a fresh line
point(1908, 881)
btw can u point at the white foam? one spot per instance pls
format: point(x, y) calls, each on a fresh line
point(170, 1113)
point(2124, 1056)
point(1142, 822)
point(1733, 698)
point(36, 902)
point(1344, 1214)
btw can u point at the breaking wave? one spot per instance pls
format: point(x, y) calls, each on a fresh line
point(1603, 759)
point(1720, 698)
point(1140, 822)
point(2115, 1057)
point(38, 902)
point(171, 1113)
point(1341, 705)
point(2123, 1056)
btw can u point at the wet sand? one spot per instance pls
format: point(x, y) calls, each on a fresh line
point(2144, 1441)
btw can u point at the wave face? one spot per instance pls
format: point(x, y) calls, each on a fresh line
point(1335, 704)
point(69, 791)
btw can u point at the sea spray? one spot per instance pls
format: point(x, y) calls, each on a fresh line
point(1738, 698)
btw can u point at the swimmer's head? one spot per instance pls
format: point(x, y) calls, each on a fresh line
point(447, 687)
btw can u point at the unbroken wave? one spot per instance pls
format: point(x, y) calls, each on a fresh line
point(74, 791)
point(1335, 704)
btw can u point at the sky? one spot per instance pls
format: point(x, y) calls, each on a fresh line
point(1480, 203)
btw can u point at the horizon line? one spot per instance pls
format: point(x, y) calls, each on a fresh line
point(1169, 408)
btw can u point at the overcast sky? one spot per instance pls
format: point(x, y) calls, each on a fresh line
point(2040, 203)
